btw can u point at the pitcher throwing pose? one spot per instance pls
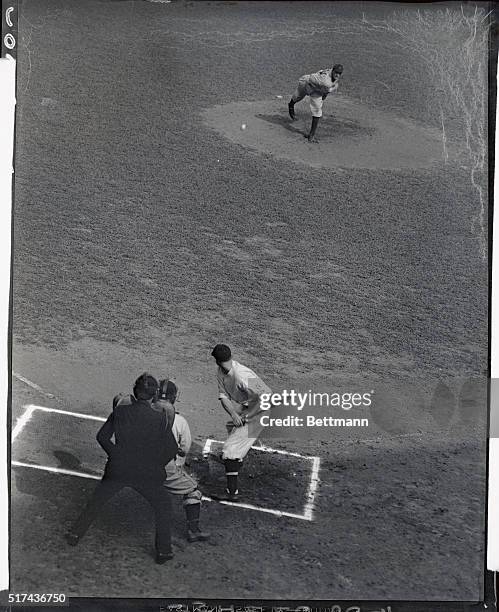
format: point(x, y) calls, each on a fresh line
point(318, 86)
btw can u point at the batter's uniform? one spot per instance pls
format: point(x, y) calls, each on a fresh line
point(315, 86)
point(241, 385)
point(177, 480)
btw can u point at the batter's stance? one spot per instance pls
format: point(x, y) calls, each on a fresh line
point(318, 86)
point(239, 390)
point(177, 480)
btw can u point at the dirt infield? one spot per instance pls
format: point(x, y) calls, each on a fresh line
point(374, 499)
point(351, 134)
point(376, 512)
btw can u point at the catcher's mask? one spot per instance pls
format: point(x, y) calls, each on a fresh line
point(168, 390)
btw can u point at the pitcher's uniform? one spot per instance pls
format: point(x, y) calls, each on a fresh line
point(315, 86)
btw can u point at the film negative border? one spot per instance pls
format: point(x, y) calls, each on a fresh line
point(9, 28)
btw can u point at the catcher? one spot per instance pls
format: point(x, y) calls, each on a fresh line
point(177, 480)
point(318, 86)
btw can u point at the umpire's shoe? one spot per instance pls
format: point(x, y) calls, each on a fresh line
point(163, 557)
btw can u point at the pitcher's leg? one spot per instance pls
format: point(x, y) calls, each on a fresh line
point(299, 94)
point(316, 110)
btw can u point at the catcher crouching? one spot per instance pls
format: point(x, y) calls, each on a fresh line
point(177, 480)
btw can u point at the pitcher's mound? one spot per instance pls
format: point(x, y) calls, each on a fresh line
point(351, 134)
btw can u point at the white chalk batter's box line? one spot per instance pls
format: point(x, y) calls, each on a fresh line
point(308, 509)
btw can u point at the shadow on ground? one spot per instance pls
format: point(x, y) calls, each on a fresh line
point(332, 126)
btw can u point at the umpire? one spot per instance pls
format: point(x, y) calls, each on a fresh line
point(144, 444)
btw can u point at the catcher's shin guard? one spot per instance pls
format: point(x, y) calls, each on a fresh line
point(194, 533)
point(232, 467)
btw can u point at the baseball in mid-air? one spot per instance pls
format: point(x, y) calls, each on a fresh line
point(243, 126)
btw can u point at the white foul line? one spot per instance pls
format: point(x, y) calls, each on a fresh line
point(33, 385)
point(47, 468)
point(78, 415)
point(21, 421)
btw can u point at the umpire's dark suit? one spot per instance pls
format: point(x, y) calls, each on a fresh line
point(144, 444)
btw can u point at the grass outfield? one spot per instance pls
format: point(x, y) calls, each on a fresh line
point(143, 237)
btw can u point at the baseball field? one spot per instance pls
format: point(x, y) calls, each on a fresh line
point(148, 226)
